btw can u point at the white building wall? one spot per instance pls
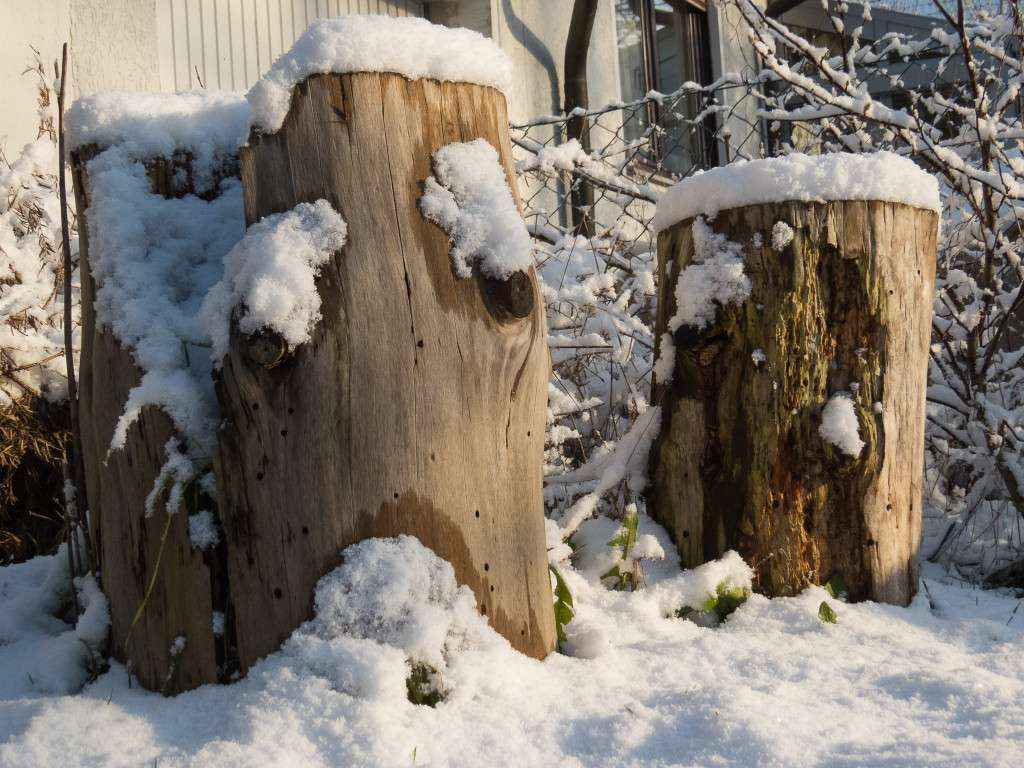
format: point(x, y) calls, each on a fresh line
point(228, 44)
point(112, 45)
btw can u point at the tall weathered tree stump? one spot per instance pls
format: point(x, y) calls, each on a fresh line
point(418, 405)
point(741, 463)
point(133, 550)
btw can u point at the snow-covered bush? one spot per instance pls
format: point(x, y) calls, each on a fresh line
point(33, 385)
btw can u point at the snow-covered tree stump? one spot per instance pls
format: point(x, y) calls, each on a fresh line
point(793, 408)
point(158, 586)
point(418, 404)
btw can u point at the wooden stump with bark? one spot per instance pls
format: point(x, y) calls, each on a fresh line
point(418, 405)
point(843, 308)
point(158, 586)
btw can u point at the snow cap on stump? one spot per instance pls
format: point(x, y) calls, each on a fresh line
point(408, 46)
point(812, 179)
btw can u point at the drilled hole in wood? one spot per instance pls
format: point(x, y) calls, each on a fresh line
point(492, 588)
point(284, 432)
point(686, 534)
point(396, 495)
point(433, 457)
point(477, 513)
point(259, 475)
point(487, 566)
point(291, 410)
point(420, 343)
point(305, 530)
point(278, 593)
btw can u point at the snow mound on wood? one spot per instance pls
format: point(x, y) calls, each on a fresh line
point(407, 46)
point(153, 260)
point(839, 425)
point(469, 198)
point(715, 278)
point(270, 276)
point(399, 593)
point(819, 178)
point(211, 125)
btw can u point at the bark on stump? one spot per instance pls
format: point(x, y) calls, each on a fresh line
point(418, 405)
point(128, 544)
point(739, 463)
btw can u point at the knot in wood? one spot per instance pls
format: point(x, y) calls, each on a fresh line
point(266, 348)
point(511, 299)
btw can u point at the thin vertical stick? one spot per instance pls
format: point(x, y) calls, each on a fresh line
point(76, 469)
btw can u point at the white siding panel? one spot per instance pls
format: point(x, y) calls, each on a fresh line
point(228, 44)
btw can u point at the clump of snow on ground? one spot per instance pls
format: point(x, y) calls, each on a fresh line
point(469, 198)
point(594, 555)
point(715, 278)
point(270, 276)
point(782, 235)
point(817, 178)
point(772, 685)
point(209, 125)
point(37, 649)
point(839, 425)
point(407, 46)
point(399, 593)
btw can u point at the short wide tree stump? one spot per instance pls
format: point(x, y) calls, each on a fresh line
point(418, 405)
point(841, 309)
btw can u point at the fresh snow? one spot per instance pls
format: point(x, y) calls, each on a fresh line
point(938, 686)
point(209, 125)
point(31, 291)
point(154, 259)
point(839, 425)
point(715, 278)
point(469, 198)
point(270, 276)
point(202, 530)
point(407, 46)
point(818, 178)
point(782, 235)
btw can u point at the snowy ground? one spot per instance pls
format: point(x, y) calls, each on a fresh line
point(773, 685)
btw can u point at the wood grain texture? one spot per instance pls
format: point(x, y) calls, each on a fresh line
point(417, 407)
point(118, 483)
point(740, 463)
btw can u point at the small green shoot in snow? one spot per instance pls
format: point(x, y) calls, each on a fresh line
point(826, 614)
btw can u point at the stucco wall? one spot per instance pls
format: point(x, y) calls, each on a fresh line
point(112, 43)
point(44, 24)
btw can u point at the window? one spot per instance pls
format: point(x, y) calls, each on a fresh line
point(663, 44)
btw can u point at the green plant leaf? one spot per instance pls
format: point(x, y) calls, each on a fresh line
point(826, 614)
point(564, 610)
point(836, 587)
point(726, 600)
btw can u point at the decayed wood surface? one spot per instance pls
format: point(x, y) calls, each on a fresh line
point(118, 482)
point(418, 405)
point(740, 463)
